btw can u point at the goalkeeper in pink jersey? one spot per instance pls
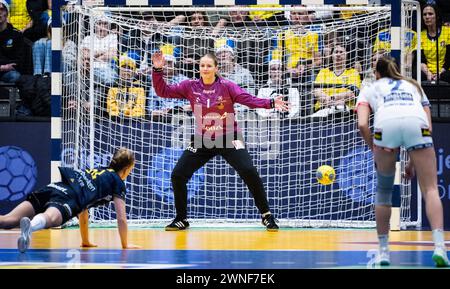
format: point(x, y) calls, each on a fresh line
point(216, 133)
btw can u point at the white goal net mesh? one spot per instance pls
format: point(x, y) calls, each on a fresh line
point(318, 58)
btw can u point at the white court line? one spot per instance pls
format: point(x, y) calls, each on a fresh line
point(283, 263)
point(15, 251)
point(410, 263)
point(200, 262)
point(241, 262)
point(140, 265)
point(326, 263)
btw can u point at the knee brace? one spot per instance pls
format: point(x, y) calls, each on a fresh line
point(385, 184)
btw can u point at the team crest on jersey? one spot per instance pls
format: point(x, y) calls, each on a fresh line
point(443, 43)
point(426, 132)
point(221, 103)
point(378, 135)
point(9, 43)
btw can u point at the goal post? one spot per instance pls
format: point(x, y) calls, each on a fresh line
point(107, 101)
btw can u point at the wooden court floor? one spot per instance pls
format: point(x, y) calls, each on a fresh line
point(217, 249)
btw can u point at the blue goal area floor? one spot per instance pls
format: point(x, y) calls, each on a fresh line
point(224, 248)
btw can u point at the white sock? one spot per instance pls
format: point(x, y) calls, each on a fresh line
point(38, 223)
point(383, 240)
point(438, 238)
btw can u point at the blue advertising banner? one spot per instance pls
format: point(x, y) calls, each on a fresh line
point(25, 166)
point(24, 160)
point(441, 138)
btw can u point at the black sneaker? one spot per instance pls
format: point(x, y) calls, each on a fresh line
point(269, 222)
point(177, 225)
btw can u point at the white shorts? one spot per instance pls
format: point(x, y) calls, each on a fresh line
point(409, 132)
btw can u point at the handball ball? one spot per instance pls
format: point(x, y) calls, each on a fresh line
point(325, 175)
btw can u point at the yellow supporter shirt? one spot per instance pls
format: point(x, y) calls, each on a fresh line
point(429, 48)
point(129, 100)
point(300, 46)
point(327, 76)
point(19, 17)
point(383, 41)
point(263, 14)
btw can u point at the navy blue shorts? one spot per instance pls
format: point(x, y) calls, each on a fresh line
point(57, 195)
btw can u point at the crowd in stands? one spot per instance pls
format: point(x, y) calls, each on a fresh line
point(320, 71)
point(25, 53)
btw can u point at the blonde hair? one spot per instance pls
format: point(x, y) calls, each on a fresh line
point(387, 67)
point(121, 159)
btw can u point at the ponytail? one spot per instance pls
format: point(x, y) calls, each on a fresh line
point(387, 67)
point(122, 159)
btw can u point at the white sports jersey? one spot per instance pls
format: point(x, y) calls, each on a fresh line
point(390, 99)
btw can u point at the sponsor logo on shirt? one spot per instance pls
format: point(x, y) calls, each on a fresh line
point(211, 91)
point(59, 188)
point(83, 179)
point(213, 127)
point(215, 116)
point(221, 103)
point(191, 149)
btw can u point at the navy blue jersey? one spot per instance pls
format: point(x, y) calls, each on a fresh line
point(92, 188)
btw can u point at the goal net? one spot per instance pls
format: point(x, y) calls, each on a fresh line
point(317, 57)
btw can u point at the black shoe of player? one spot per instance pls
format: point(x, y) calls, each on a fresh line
point(269, 222)
point(178, 224)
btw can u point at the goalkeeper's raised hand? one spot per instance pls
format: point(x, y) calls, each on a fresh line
point(280, 104)
point(158, 60)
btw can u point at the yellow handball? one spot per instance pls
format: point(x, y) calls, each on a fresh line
point(325, 175)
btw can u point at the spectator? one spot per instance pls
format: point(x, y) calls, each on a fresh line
point(251, 44)
point(229, 69)
point(194, 43)
point(302, 47)
point(267, 18)
point(69, 50)
point(11, 47)
point(336, 88)
point(383, 43)
point(105, 51)
point(443, 6)
point(435, 44)
point(42, 53)
point(128, 97)
point(147, 37)
point(39, 11)
point(277, 85)
point(19, 17)
point(237, 19)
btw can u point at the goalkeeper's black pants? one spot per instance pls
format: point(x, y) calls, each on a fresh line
point(193, 159)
